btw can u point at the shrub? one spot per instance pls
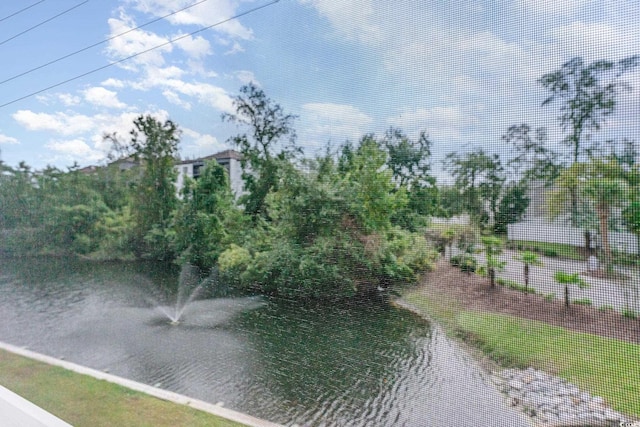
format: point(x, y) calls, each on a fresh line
point(464, 262)
point(629, 314)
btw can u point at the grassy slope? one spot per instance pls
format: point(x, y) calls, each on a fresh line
point(605, 367)
point(84, 401)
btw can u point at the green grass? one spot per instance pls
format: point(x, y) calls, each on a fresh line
point(602, 366)
point(85, 401)
point(583, 301)
point(549, 249)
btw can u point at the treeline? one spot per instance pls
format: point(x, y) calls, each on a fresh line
point(344, 224)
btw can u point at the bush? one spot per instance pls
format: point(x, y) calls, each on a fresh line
point(464, 262)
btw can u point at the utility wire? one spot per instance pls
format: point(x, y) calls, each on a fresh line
point(24, 73)
point(247, 12)
point(44, 22)
point(20, 11)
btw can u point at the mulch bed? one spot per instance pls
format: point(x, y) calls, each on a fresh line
point(473, 292)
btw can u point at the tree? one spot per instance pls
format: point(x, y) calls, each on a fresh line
point(480, 178)
point(512, 206)
point(528, 259)
point(567, 279)
point(600, 187)
point(587, 96)
point(408, 159)
point(268, 125)
point(533, 160)
point(492, 248)
point(631, 215)
point(155, 145)
point(200, 222)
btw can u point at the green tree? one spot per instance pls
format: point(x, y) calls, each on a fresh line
point(200, 224)
point(631, 215)
point(600, 185)
point(369, 186)
point(155, 145)
point(480, 178)
point(492, 249)
point(532, 159)
point(408, 160)
point(587, 96)
point(528, 259)
point(512, 206)
point(268, 127)
point(567, 279)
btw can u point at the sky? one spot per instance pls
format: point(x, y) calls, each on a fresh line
point(462, 70)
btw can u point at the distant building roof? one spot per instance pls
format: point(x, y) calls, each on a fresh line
point(226, 154)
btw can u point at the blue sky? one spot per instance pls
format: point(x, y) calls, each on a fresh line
point(462, 70)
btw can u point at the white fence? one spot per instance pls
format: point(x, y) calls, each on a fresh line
point(540, 230)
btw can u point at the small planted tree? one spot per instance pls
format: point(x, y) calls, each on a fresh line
point(449, 235)
point(492, 248)
point(528, 258)
point(567, 279)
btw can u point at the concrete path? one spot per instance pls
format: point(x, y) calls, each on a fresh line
point(618, 294)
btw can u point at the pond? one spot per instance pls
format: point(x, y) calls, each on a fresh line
point(319, 366)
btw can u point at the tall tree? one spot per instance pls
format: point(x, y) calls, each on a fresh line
point(480, 178)
point(155, 145)
point(532, 159)
point(600, 186)
point(587, 96)
point(408, 160)
point(268, 126)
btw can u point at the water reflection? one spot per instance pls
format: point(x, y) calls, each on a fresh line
point(319, 366)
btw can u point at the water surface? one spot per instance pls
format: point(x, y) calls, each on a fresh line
point(317, 366)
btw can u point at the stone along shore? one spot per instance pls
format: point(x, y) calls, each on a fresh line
point(553, 401)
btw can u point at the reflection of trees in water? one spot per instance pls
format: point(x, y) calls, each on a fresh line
point(316, 356)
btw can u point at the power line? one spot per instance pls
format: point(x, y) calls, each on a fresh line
point(20, 11)
point(247, 12)
point(44, 22)
point(24, 73)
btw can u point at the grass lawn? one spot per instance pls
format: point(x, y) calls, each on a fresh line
point(81, 400)
point(603, 366)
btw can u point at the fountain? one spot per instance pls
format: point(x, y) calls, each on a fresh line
point(190, 285)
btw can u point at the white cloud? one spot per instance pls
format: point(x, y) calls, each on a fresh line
point(83, 127)
point(4, 139)
point(195, 47)
point(442, 123)
point(205, 14)
point(596, 40)
point(352, 19)
point(102, 97)
point(75, 150)
point(203, 141)
point(204, 92)
point(111, 82)
point(333, 122)
point(245, 77)
point(550, 7)
point(135, 42)
point(175, 99)
point(61, 123)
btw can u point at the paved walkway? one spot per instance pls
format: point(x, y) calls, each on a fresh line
point(602, 292)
